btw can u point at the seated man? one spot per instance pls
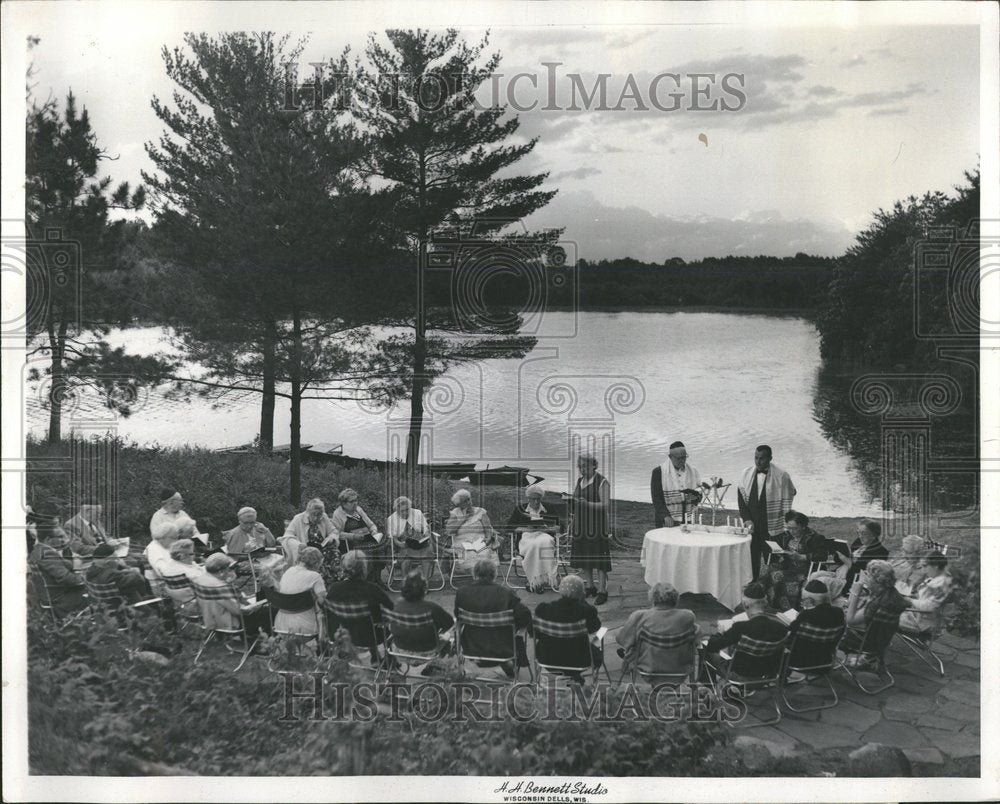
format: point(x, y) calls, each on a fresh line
point(223, 607)
point(354, 589)
point(867, 547)
point(483, 596)
point(571, 607)
point(661, 619)
point(65, 588)
point(107, 569)
point(761, 626)
point(817, 611)
point(249, 535)
point(416, 640)
point(85, 530)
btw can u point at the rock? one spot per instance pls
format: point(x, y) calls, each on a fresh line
point(959, 711)
point(937, 721)
point(924, 756)
point(754, 756)
point(850, 715)
point(151, 657)
point(902, 735)
point(775, 749)
point(955, 744)
point(961, 691)
point(903, 705)
point(967, 659)
point(875, 759)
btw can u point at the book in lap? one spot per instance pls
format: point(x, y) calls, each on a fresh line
point(774, 546)
point(725, 625)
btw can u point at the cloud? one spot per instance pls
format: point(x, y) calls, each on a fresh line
point(608, 232)
point(855, 61)
point(888, 112)
point(884, 98)
point(821, 91)
point(579, 173)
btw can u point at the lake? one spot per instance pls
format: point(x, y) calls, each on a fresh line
point(632, 382)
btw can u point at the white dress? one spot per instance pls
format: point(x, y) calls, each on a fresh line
point(538, 553)
point(299, 579)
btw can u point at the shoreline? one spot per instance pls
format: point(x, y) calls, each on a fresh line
point(807, 313)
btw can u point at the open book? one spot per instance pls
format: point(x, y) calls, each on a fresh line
point(419, 538)
point(377, 537)
point(477, 545)
point(788, 617)
point(774, 546)
point(725, 625)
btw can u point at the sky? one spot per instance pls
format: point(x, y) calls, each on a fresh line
point(838, 119)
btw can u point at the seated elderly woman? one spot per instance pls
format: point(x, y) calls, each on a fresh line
point(355, 589)
point(303, 577)
point(788, 570)
point(313, 528)
point(223, 605)
point(181, 564)
point(470, 533)
point(664, 620)
point(907, 564)
point(172, 512)
point(421, 641)
point(873, 611)
point(356, 531)
point(249, 535)
point(571, 607)
point(157, 552)
point(411, 536)
point(866, 547)
point(928, 595)
point(535, 542)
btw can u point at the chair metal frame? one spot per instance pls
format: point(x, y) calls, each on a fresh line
point(921, 643)
point(882, 668)
point(407, 661)
point(759, 648)
point(44, 599)
point(359, 611)
point(816, 636)
point(577, 629)
point(397, 561)
point(516, 561)
point(214, 593)
point(189, 611)
point(663, 642)
point(493, 620)
point(470, 574)
point(297, 604)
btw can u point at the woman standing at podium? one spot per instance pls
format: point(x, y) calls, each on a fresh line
point(591, 548)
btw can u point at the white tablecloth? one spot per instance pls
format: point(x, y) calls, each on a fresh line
point(698, 561)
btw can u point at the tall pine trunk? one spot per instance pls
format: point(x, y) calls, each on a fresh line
point(419, 369)
point(57, 390)
point(268, 371)
point(295, 375)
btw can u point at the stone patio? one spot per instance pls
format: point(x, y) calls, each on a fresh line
point(933, 720)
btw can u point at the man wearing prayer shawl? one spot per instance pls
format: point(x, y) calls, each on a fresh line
point(667, 484)
point(765, 493)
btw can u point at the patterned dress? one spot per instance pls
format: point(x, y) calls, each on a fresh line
point(591, 547)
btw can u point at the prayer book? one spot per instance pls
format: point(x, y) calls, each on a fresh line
point(377, 537)
point(476, 546)
point(419, 539)
point(788, 617)
point(599, 634)
point(775, 547)
point(120, 545)
point(725, 625)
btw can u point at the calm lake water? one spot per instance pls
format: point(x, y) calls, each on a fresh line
point(720, 382)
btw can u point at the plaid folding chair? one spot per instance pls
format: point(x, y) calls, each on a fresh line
point(204, 594)
point(175, 588)
point(567, 631)
point(396, 621)
point(921, 642)
point(493, 620)
point(43, 598)
point(106, 599)
point(356, 618)
point(396, 563)
point(678, 641)
point(298, 603)
point(874, 642)
point(760, 649)
point(820, 642)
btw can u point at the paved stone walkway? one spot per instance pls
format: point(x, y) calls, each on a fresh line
point(932, 719)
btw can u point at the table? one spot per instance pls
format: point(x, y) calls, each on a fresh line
point(702, 559)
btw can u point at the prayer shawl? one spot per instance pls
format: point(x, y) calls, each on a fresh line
point(673, 484)
point(779, 493)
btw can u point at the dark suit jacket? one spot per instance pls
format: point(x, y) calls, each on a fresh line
point(805, 654)
point(421, 639)
point(482, 597)
point(355, 590)
point(130, 582)
point(65, 587)
point(566, 652)
point(760, 626)
point(84, 537)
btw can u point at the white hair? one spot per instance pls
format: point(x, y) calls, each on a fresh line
point(460, 496)
point(165, 531)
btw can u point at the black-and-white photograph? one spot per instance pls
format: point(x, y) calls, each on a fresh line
point(530, 402)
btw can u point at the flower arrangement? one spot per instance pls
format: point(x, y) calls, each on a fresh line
point(712, 483)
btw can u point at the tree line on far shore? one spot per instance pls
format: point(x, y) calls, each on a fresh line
point(361, 254)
